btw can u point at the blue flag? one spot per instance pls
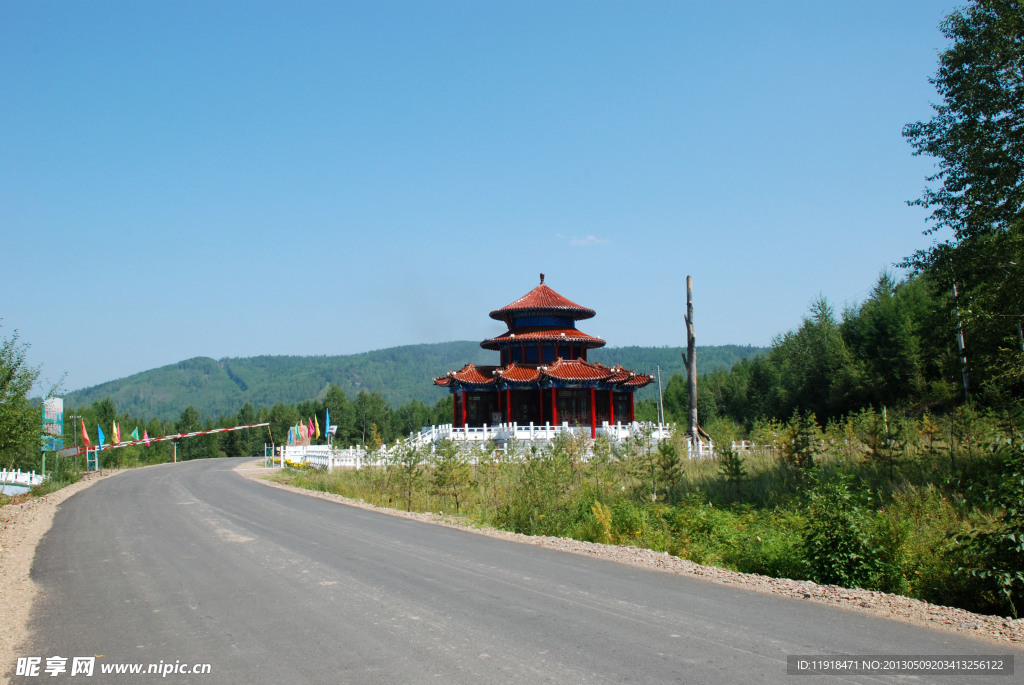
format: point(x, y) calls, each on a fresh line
point(327, 421)
point(100, 432)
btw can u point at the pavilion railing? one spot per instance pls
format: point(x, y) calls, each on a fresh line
point(426, 441)
point(533, 432)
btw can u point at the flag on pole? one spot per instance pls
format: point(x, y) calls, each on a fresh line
point(327, 419)
point(310, 434)
point(316, 422)
point(135, 433)
point(291, 436)
point(85, 436)
point(116, 432)
point(99, 432)
point(145, 436)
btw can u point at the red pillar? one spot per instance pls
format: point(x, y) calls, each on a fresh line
point(508, 405)
point(632, 412)
point(611, 408)
point(463, 408)
point(455, 410)
point(593, 415)
point(554, 407)
point(541, 393)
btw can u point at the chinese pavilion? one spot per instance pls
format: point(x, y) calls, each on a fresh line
point(543, 375)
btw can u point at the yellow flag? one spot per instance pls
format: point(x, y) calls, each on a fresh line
point(316, 422)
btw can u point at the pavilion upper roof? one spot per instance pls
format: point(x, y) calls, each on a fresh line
point(543, 299)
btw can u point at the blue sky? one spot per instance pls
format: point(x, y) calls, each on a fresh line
point(183, 179)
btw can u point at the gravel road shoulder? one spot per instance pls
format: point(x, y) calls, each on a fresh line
point(22, 525)
point(999, 629)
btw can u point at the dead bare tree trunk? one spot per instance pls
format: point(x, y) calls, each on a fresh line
point(690, 359)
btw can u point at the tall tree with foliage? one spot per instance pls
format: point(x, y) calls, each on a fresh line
point(20, 418)
point(977, 138)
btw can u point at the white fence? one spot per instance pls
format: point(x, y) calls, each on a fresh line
point(325, 457)
point(17, 482)
point(504, 432)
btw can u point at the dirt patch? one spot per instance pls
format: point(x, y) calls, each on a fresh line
point(22, 525)
point(882, 604)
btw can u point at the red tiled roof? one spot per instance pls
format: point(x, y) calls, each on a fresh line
point(570, 371)
point(543, 298)
point(628, 378)
point(637, 380)
point(470, 374)
point(575, 370)
point(519, 374)
point(569, 335)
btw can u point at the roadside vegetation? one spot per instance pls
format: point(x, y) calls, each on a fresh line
point(924, 512)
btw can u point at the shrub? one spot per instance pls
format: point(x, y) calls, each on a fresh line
point(836, 545)
point(994, 555)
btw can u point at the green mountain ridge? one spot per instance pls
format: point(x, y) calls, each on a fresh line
point(399, 374)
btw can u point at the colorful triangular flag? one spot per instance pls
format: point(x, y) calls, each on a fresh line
point(99, 432)
point(145, 436)
point(135, 433)
point(85, 436)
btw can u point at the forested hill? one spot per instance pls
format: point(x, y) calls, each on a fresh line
point(400, 374)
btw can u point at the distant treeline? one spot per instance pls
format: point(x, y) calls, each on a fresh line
point(399, 375)
point(896, 350)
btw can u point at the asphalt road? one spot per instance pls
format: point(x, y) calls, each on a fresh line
point(190, 563)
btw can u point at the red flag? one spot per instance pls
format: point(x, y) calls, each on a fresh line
point(85, 436)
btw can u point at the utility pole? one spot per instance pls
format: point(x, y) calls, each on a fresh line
point(690, 359)
point(75, 418)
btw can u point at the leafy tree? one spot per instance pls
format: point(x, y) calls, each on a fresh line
point(408, 472)
point(342, 414)
point(733, 470)
point(194, 448)
point(667, 470)
point(837, 545)
point(452, 475)
point(371, 409)
point(442, 411)
point(105, 411)
point(884, 338)
point(19, 416)
point(281, 418)
point(977, 138)
point(994, 556)
point(411, 417)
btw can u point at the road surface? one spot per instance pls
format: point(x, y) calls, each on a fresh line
point(191, 564)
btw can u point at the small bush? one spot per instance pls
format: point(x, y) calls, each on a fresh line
point(836, 545)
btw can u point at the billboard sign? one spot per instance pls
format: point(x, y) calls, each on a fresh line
point(53, 424)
